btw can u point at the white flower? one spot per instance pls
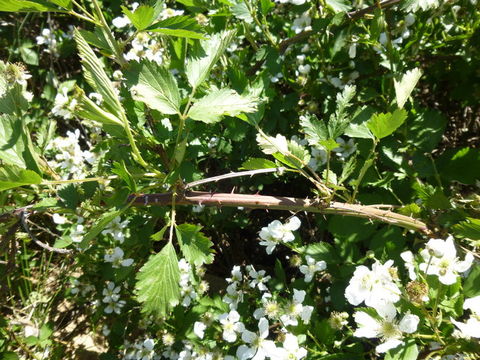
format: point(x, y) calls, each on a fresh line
point(63, 107)
point(441, 259)
point(277, 232)
point(96, 97)
point(231, 325)
point(270, 307)
point(77, 233)
point(259, 348)
point(199, 329)
point(296, 309)
point(409, 19)
point(116, 258)
point(387, 328)
point(121, 21)
point(258, 279)
point(304, 69)
point(319, 158)
point(423, 5)
point(472, 327)
point(375, 287)
point(59, 219)
point(115, 228)
point(302, 23)
point(407, 256)
point(167, 13)
point(297, 2)
point(233, 296)
point(198, 208)
point(112, 298)
point(345, 149)
point(469, 329)
point(145, 350)
point(236, 275)
point(291, 350)
point(312, 267)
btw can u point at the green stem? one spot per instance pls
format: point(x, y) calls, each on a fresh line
point(364, 169)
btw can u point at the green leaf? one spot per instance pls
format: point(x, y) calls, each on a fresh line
point(407, 351)
point(240, 11)
point(218, 103)
point(12, 176)
point(339, 5)
point(426, 129)
point(266, 5)
point(258, 163)
point(142, 17)
point(471, 286)
point(468, 229)
point(196, 247)
point(66, 4)
point(27, 6)
point(157, 286)
point(101, 224)
point(382, 125)
point(179, 26)
point(16, 147)
point(121, 170)
point(315, 130)
point(338, 122)
point(87, 109)
point(206, 56)
point(271, 145)
point(461, 165)
point(155, 86)
point(405, 85)
point(96, 77)
point(29, 56)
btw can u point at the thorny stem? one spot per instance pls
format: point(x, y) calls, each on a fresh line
point(280, 203)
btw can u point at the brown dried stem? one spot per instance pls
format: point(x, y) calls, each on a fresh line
point(282, 203)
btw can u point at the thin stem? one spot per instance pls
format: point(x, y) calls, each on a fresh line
point(364, 169)
point(233, 175)
point(99, 179)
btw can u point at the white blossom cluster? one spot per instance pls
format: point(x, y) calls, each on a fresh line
point(140, 350)
point(187, 290)
point(276, 233)
point(111, 297)
point(69, 157)
point(379, 288)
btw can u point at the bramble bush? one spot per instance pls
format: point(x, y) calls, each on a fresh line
point(239, 179)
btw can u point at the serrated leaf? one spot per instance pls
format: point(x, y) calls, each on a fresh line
point(468, 229)
point(359, 131)
point(321, 251)
point(271, 145)
point(338, 122)
point(155, 86)
point(218, 103)
point(258, 163)
point(315, 130)
point(13, 176)
point(196, 247)
point(206, 56)
point(27, 6)
point(96, 77)
point(142, 17)
point(16, 147)
point(240, 11)
point(157, 286)
point(383, 125)
point(179, 26)
point(405, 85)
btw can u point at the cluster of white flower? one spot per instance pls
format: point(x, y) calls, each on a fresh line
point(81, 288)
point(115, 257)
point(187, 290)
point(140, 350)
point(145, 47)
point(302, 23)
point(64, 106)
point(70, 158)
point(471, 328)
point(276, 233)
point(111, 295)
point(378, 289)
point(117, 229)
point(234, 295)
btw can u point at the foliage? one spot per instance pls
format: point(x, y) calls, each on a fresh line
point(336, 146)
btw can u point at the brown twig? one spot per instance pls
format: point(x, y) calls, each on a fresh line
point(23, 221)
point(282, 203)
